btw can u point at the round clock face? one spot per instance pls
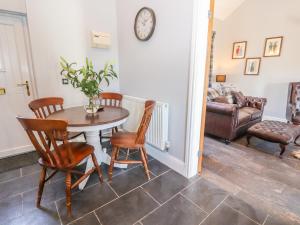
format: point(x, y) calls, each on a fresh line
point(144, 24)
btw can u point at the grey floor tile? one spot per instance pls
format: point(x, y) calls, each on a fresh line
point(85, 201)
point(211, 163)
point(166, 186)
point(51, 193)
point(177, 211)
point(290, 199)
point(18, 161)
point(136, 155)
point(116, 171)
point(125, 182)
point(266, 187)
point(128, 209)
point(255, 212)
point(276, 220)
point(35, 168)
point(18, 185)
point(220, 181)
point(10, 208)
point(9, 175)
point(45, 215)
point(224, 215)
point(157, 167)
point(89, 219)
point(205, 194)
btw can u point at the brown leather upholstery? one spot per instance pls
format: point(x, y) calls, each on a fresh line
point(253, 112)
point(275, 131)
point(227, 121)
point(293, 103)
point(296, 119)
point(244, 117)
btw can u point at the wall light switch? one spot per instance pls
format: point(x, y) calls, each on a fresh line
point(2, 91)
point(65, 81)
point(101, 40)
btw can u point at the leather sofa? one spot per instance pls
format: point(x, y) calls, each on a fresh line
point(293, 103)
point(228, 122)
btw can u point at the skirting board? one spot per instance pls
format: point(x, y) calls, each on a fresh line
point(16, 151)
point(274, 118)
point(167, 159)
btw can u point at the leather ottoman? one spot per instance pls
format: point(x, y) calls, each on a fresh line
point(276, 132)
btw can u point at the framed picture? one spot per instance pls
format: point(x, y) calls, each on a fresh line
point(273, 46)
point(239, 50)
point(252, 66)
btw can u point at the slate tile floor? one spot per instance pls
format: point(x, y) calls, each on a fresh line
point(228, 193)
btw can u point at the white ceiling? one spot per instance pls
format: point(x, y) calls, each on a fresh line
point(224, 8)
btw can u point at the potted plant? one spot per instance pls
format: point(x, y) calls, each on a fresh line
point(87, 79)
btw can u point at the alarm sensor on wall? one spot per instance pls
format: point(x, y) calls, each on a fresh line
point(101, 39)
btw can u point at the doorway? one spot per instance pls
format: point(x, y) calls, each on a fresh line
point(16, 83)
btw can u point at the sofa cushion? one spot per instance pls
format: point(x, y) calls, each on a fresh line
point(254, 112)
point(221, 99)
point(212, 94)
point(244, 117)
point(240, 99)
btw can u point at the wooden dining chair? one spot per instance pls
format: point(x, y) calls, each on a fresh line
point(64, 157)
point(132, 141)
point(110, 99)
point(44, 107)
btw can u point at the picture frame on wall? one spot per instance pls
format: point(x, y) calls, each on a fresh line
point(239, 50)
point(273, 46)
point(252, 66)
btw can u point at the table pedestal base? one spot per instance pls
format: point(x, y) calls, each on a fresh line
point(92, 138)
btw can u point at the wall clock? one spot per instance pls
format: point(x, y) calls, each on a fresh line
point(144, 24)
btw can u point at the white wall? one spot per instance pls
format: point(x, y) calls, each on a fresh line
point(159, 68)
point(62, 28)
point(254, 21)
point(18, 6)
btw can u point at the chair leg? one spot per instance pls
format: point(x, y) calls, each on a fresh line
point(117, 154)
point(68, 193)
point(98, 168)
point(112, 162)
point(145, 163)
point(116, 129)
point(248, 140)
point(145, 153)
point(283, 147)
point(100, 134)
point(41, 186)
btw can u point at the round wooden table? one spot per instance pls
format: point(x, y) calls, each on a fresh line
point(80, 121)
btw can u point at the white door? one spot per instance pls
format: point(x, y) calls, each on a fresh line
point(16, 78)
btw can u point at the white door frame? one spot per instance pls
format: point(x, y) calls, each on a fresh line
point(33, 88)
point(198, 62)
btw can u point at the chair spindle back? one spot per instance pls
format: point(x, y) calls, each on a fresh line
point(111, 99)
point(149, 107)
point(44, 107)
point(40, 131)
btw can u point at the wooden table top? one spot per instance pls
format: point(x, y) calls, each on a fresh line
point(77, 117)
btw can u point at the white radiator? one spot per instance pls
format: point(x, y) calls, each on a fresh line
point(157, 134)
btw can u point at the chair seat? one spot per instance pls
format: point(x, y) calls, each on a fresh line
point(125, 140)
point(72, 153)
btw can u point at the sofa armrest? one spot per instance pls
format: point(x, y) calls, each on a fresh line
point(256, 102)
point(221, 120)
point(222, 108)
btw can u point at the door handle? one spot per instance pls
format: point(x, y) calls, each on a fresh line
point(26, 84)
